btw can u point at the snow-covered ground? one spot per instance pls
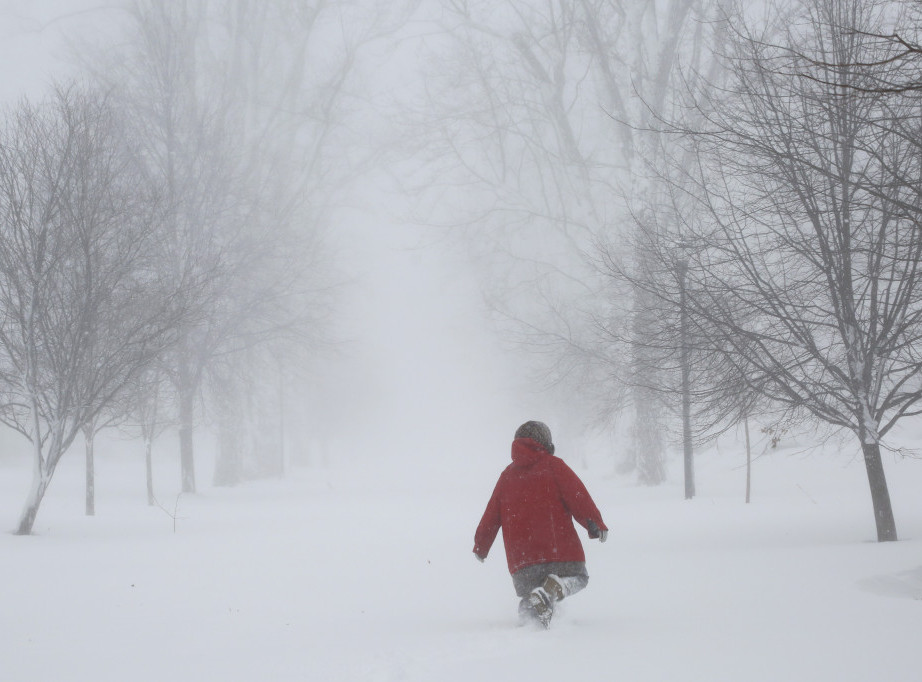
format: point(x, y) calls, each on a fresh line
point(365, 572)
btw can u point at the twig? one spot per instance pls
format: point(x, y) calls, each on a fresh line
point(175, 513)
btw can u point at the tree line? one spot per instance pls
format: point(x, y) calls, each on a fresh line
point(161, 230)
point(695, 213)
point(712, 210)
point(791, 242)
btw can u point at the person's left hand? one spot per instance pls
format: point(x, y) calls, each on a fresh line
point(595, 531)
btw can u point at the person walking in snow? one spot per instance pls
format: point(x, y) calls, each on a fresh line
point(535, 501)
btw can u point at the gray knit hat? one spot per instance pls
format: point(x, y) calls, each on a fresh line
point(538, 432)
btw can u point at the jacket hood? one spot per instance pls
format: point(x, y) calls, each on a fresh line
point(526, 452)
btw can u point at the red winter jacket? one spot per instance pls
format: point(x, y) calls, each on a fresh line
point(534, 502)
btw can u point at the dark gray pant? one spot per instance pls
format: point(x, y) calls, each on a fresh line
point(573, 575)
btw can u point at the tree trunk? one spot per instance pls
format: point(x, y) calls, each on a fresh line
point(748, 460)
point(39, 484)
point(227, 465)
point(40, 478)
point(646, 439)
point(149, 468)
point(647, 428)
point(186, 428)
point(880, 495)
point(281, 423)
point(688, 453)
point(89, 438)
point(186, 452)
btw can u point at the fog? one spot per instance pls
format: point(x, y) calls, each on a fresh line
point(394, 222)
point(419, 368)
point(409, 355)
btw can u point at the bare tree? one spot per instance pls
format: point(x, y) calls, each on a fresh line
point(145, 412)
point(523, 114)
point(897, 68)
point(814, 246)
point(243, 108)
point(83, 309)
point(698, 376)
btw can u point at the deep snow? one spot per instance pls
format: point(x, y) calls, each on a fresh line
point(365, 572)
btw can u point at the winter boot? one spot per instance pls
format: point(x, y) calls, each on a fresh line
point(543, 598)
point(554, 587)
point(542, 605)
point(527, 613)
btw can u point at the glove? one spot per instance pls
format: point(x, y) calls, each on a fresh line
point(595, 531)
point(479, 558)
